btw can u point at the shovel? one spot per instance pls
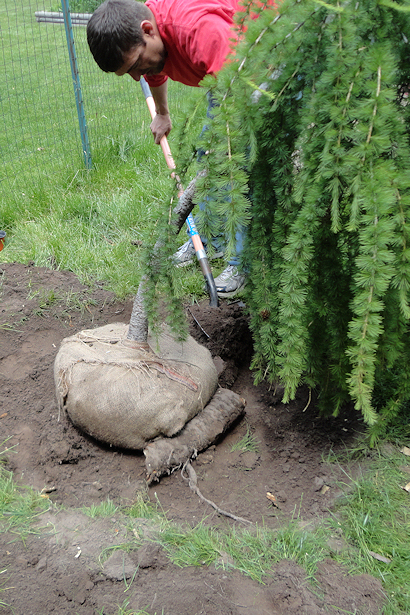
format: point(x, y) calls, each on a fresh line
point(193, 233)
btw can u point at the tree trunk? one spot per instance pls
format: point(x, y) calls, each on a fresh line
point(138, 329)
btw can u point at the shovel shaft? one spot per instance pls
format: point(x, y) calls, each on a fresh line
point(193, 233)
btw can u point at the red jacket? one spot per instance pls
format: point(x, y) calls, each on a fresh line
point(196, 35)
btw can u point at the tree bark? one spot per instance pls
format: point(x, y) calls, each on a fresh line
point(138, 328)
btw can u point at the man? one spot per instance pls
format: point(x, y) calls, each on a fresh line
point(180, 39)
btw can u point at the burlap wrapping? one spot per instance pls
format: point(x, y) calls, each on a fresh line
point(123, 395)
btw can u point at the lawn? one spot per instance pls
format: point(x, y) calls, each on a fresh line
point(60, 215)
point(55, 211)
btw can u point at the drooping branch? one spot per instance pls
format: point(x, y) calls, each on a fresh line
point(138, 328)
point(185, 203)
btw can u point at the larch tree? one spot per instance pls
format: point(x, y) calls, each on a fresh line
point(309, 148)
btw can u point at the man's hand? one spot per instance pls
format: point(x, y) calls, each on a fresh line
point(161, 125)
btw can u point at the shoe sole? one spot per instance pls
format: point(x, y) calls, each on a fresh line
point(191, 260)
point(223, 295)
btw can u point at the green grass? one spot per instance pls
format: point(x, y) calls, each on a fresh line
point(105, 509)
point(248, 443)
point(253, 552)
point(20, 507)
point(373, 518)
point(55, 212)
point(92, 229)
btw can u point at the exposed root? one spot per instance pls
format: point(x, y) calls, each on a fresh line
point(165, 455)
point(192, 482)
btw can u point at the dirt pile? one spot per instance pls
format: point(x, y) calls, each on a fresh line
point(59, 569)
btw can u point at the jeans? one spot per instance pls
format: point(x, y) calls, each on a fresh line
point(218, 242)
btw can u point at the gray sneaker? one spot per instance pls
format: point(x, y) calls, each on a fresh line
point(229, 282)
point(185, 255)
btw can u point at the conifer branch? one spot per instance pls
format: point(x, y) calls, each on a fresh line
point(326, 151)
point(330, 7)
point(393, 5)
point(289, 81)
point(138, 327)
point(259, 38)
point(402, 276)
point(379, 78)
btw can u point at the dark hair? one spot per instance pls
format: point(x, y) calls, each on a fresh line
point(113, 29)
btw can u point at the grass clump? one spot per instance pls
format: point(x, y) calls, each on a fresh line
point(252, 552)
point(375, 518)
point(248, 443)
point(199, 546)
point(105, 509)
point(144, 509)
point(19, 506)
point(124, 610)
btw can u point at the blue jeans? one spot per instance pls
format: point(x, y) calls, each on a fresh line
point(218, 241)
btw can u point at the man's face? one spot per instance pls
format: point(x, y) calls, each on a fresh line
point(144, 60)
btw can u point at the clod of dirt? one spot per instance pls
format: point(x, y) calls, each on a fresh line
point(40, 307)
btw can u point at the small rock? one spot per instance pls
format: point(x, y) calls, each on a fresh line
point(318, 483)
point(119, 566)
point(336, 545)
point(281, 497)
point(204, 458)
point(225, 560)
point(249, 460)
point(42, 564)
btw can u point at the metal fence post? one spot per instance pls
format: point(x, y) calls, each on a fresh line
point(76, 82)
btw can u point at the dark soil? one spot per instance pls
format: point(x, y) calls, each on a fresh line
point(58, 570)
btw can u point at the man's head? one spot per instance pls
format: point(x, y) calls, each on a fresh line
point(123, 38)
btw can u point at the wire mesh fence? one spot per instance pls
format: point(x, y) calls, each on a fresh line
point(40, 139)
